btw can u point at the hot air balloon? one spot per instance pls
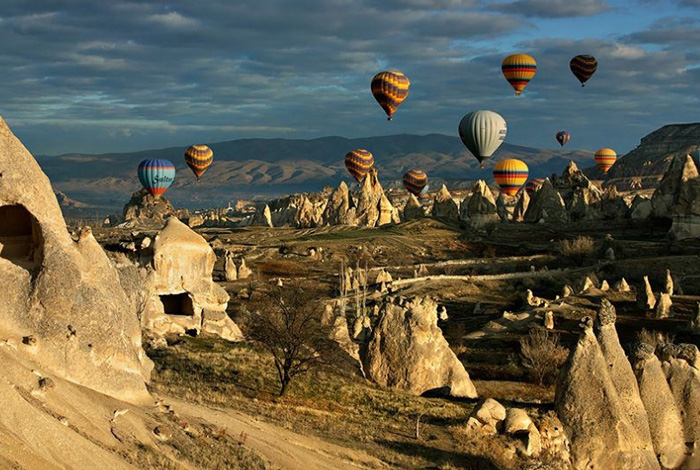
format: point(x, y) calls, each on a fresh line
point(198, 158)
point(519, 69)
point(358, 162)
point(533, 185)
point(424, 192)
point(510, 175)
point(482, 132)
point(605, 158)
point(415, 181)
point(390, 89)
point(156, 175)
point(583, 66)
point(563, 137)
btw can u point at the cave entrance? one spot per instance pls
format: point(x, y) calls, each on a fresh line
point(20, 236)
point(177, 304)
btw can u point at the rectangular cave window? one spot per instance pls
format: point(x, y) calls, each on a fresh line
point(177, 304)
point(20, 236)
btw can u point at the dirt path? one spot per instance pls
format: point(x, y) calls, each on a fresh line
point(284, 448)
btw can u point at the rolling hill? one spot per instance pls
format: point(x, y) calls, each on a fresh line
point(261, 168)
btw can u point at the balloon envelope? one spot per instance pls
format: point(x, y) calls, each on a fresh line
point(583, 67)
point(415, 181)
point(605, 158)
point(533, 185)
point(519, 69)
point(482, 132)
point(510, 175)
point(156, 175)
point(563, 137)
point(390, 89)
point(358, 162)
point(199, 158)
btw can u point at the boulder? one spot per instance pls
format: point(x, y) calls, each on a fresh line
point(517, 420)
point(444, 207)
point(641, 208)
point(593, 415)
point(339, 208)
point(620, 371)
point(521, 206)
point(413, 209)
point(487, 416)
point(62, 292)
point(666, 195)
point(218, 323)
point(481, 207)
point(546, 204)
point(645, 296)
point(407, 351)
point(144, 208)
point(665, 421)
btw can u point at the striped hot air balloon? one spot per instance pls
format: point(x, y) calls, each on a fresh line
point(199, 158)
point(415, 181)
point(533, 186)
point(358, 162)
point(605, 158)
point(563, 137)
point(390, 89)
point(583, 67)
point(156, 175)
point(510, 175)
point(519, 69)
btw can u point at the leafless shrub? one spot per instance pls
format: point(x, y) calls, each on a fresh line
point(542, 354)
point(654, 338)
point(577, 250)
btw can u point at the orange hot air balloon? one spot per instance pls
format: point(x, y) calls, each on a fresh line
point(358, 162)
point(390, 89)
point(605, 158)
point(199, 158)
point(519, 69)
point(510, 175)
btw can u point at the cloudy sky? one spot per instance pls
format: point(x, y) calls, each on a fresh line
point(89, 76)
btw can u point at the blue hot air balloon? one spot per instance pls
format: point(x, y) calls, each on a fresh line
point(156, 175)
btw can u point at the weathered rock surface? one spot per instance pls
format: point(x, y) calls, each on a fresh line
point(481, 207)
point(684, 380)
point(681, 170)
point(503, 208)
point(339, 208)
point(444, 207)
point(63, 292)
point(641, 208)
point(145, 208)
point(588, 404)
point(408, 351)
point(612, 205)
point(546, 204)
point(685, 212)
point(645, 296)
point(521, 206)
point(664, 307)
point(230, 269)
point(413, 209)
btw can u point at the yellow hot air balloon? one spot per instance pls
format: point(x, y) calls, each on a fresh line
point(510, 175)
point(605, 158)
point(199, 158)
point(519, 69)
point(390, 89)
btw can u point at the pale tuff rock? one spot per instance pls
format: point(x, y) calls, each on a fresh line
point(604, 286)
point(371, 192)
point(487, 417)
point(444, 207)
point(664, 417)
point(572, 179)
point(549, 320)
point(407, 351)
point(533, 301)
point(686, 212)
point(502, 208)
point(230, 270)
point(521, 206)
point(413, 209)
point(567, 291)
point(645, 296)
point(547, 205)
point(583, 205)
point(622, 286)
point(481, 207)
point(585, 285)
point(244, 272)
point(585, 395)
point(613, 206)
point(681, 170)
point(383, 277)
point(144, 208)
point(664, 307)
point(668, 288)
point(179, 286)
point(684, 381)
point(307, 214)
point(620, 371)
point(641, 208)
point(262, 217)
point(517, 420)
point(339, 208)
point(64, 293)
point(387, 213)
point(442, 314)
point(554, 441)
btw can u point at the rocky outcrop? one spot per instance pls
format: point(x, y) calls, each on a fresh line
point(371, 192)
point(481, 207)
point(645, 296)
point(612, 206)
point(503, 208)
point(230, 269)
point(413, 209)
point(589, 406)
point(641, 208)
point(262, 217)
point(685, 211)
point(444, 207)
point(665, 421)
point(681, 170)
point(144, 208)
point(547, 205)
point(521, 206)
point(180, 293)
point(339, 208)
point(571, 179)
point(407, 351)
point(62, 292)
point(684, 380)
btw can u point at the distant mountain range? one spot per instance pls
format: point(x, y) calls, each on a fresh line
point(263, 168)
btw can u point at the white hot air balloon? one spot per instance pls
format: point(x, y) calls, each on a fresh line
point(482, 133)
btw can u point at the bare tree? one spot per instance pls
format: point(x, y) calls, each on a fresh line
point(289, 326)
point(543, 355)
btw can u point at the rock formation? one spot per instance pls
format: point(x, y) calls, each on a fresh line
point(681, 170)
point(481, 207)
point(621, 286)
point(589, 406)
point(612, 205)
point(664, 417)
point(685, 212)
point(502, 208)
point(620, 371)
point(487, 417)
point(444, 207)
point(664, 307)
point(371, 192)
point(339, 208)
point(521, 207)
point(144, 208)
point(413, 209)
point(684, 380)
point(571, 179)
point(645, 296)
point(63, 293)
point(181, 294)
point(407, 351)
point(641, 208)
point(546, 204)
point(262, 217)
point(230, 270)
point(244, 272)
point(668, 288)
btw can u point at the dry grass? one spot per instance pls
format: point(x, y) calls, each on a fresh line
point(654, 338)
point(578, 250)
